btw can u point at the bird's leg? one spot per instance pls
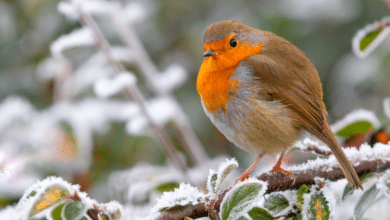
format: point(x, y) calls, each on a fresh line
point(245, 174)
point(278, 168)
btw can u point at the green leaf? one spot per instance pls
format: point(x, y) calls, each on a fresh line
point(297, 217)
point(303, 189)
point(318, 207)
point(257, 213)
point(348, 190)
point(276, 203)
point(166, 187)
point(74, 210)
point(53, 195)
point(240, 199)
point(369, 38)
point(213, 182)
point(354, 128)
point(365, 201)
point(56, 213)
point(242, 218)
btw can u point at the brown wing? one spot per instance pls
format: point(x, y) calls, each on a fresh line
point(292, 79)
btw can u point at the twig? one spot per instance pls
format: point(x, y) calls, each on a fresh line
point(150, 71)
point(134, 93)
point(281, 182)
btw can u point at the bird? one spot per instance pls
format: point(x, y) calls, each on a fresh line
point(262, 93)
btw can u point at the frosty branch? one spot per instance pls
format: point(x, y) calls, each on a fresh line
point(133, 92)
point(367, 160)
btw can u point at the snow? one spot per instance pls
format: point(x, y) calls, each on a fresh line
point(374, 44)
point(386, 107)
point(308, 142)
point(161, 110)
point(133, 12)
point(184, 195)
point(174, 76)
point(77, 38)
point(105, 87)
point(14, 110)
point(357, 115)
point(379, 151)
point(383, 184)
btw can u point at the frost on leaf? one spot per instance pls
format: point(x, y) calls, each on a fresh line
point(368, 38)
point(276, 203)
point(241, 198)
point(320, 202)
point(105, 87)
point(184, 195)
point(384, 184)
point(215, 179)
point(356, 122)
point(348, 190)
point(365, 201)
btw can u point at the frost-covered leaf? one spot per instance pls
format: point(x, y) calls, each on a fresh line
point(318, 208)
point(384, 184)
point(355, 122)
point(303, 189)
point(275, 203)
point(365, 201)
point(242, 218)
point(215, 179)
point(184, 195)
point(77, 38)
point(241, 198)
point(105, 87)
point(257, 213)
point(348, 190)
point(368, 38)
point(74, 210)
point(212, 181)
point(52, 196)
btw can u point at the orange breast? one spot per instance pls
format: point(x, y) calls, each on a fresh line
point(213, 83)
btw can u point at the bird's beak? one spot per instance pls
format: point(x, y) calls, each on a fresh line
point(210, 52)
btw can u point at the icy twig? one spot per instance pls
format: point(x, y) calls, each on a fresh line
point(133, 92)
point(364, 161)
point(150, 71)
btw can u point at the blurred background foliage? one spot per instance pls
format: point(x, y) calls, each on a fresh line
point(172, 33)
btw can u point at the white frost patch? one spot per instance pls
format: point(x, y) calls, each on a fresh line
point(15, 110)
point(161, 110)
point(184, 195)
point(133, 12)
point(307, 142)
point(174, 76)
point(77, 38)
point(10, 213)
point(105, 88)
point(374, 44)
point(384, 183)
point(68, 9)
point(386, 107)
point(379, 151)
point(357, 115)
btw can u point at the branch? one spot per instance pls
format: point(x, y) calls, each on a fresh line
point(366, 160)
point(150, 72)
point(133, 92)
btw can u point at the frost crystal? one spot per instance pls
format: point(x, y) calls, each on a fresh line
point(184, 195)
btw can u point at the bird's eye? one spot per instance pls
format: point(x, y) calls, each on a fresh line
point(233, 42)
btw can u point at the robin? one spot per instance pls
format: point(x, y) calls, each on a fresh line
point(261, 92)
